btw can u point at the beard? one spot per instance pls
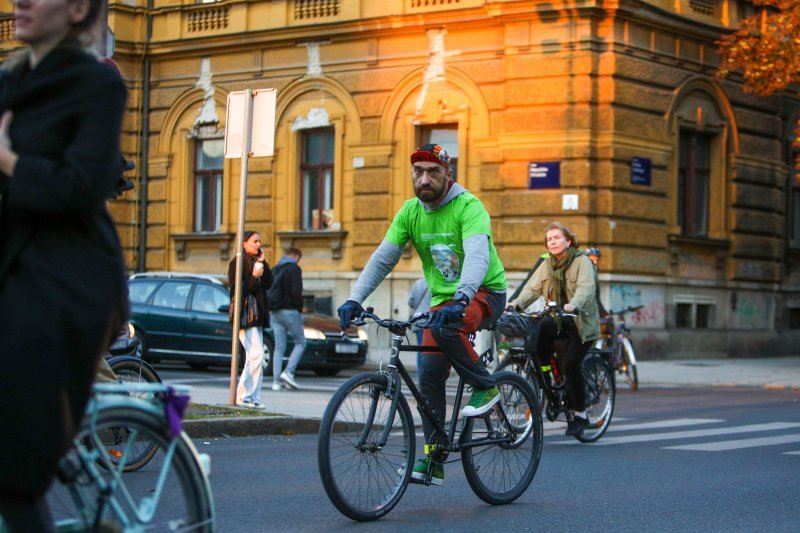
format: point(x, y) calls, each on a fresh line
point(431, 194)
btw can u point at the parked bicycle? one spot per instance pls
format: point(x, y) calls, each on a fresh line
point(617, 339)
point(130, 370)
point(171, 494)
point(367, 441)
point(546, 378)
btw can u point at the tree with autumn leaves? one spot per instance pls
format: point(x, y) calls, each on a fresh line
point(766, 49)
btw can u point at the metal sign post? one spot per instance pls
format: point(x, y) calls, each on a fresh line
point(241, 107)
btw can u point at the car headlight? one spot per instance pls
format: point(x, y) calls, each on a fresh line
point(314, 334)
point(362, 335)
point(131, 331)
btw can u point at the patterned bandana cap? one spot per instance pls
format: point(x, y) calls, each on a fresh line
point(433, 153)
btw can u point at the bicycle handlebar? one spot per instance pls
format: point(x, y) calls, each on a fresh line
point(553, 309)
point(629, 309)
point(395, 326)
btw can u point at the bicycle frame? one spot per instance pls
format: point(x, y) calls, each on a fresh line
point(397, 371)
point(113, 396)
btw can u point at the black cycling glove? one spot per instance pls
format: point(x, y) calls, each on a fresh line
point(347, 312)
point(452, 312)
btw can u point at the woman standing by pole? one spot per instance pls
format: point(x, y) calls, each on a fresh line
point(256, 279)
point(62, 279)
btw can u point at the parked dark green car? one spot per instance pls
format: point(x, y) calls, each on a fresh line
point(184, 317)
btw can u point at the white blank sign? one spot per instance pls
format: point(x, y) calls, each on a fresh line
point(262, 140)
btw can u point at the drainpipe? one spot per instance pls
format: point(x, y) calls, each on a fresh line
point(144, 155)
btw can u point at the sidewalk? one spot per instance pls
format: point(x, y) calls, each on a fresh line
point(300, 411)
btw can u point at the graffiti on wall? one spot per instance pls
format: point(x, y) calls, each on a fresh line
point(750, 311)
point(624, 295)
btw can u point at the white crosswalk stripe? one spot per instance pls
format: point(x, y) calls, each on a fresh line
point(737, 444)
point(676, 422)
point(640, 434)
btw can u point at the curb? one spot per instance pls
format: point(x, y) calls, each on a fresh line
point(211, 428)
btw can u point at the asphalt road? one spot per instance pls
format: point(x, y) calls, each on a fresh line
point(674, 459)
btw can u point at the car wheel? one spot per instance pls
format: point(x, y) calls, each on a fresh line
point(327, 372)
point(269, 350)
point(141, 345)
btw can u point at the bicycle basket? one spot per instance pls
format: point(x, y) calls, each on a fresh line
point(515, 325)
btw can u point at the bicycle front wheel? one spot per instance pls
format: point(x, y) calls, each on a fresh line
point(501, 470)
point(600, 396)
point(629, 364)
point(171, 494)
point(363, 479)
point(518, 364)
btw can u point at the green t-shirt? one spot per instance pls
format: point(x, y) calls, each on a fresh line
point(438, 238)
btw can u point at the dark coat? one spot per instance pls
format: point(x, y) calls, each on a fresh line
point(62, 277)
point(287, 288)
point(252, 285)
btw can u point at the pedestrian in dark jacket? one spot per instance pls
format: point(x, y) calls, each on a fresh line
point(62, 276)
point(256, 279)
point(286, 303)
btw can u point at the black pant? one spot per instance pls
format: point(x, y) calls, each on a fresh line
point(572, 357)
point(482, 311)
point(26, 514)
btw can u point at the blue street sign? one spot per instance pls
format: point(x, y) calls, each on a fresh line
point(544, 175)
point(640, 171)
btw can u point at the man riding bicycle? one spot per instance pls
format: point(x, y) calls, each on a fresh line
point(451, 232)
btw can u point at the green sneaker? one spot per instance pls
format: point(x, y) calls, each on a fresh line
point(481, 401)
point(420, 472)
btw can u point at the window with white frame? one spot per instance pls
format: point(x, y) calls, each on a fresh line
point(316, 169)
point(208, 171)
point(446, 136)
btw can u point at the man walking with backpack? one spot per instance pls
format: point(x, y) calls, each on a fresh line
point(286, 305)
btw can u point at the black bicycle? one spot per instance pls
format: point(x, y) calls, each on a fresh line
point(367, 443)
point(549, 382)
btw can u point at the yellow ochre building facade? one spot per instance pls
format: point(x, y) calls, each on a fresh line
point(606, 116)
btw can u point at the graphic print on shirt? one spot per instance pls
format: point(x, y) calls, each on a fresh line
point(446, 261)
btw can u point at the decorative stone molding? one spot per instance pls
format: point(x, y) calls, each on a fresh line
point(224, 242)
point(294, 238)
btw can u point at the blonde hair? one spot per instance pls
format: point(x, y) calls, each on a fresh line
point(566, 230)
point(85, 33)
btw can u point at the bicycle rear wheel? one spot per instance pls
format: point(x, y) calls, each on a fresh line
point(499, 473)
point(629, 364)
point(362, 479)
point(88, 495)
point(600, 397)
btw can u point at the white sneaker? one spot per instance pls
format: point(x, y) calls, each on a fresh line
point(276, 386)
point(288, 379)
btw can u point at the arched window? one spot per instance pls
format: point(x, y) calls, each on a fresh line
point(699, 197)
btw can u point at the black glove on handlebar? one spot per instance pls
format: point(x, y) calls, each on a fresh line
point(452, 312)
point(347, 312)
